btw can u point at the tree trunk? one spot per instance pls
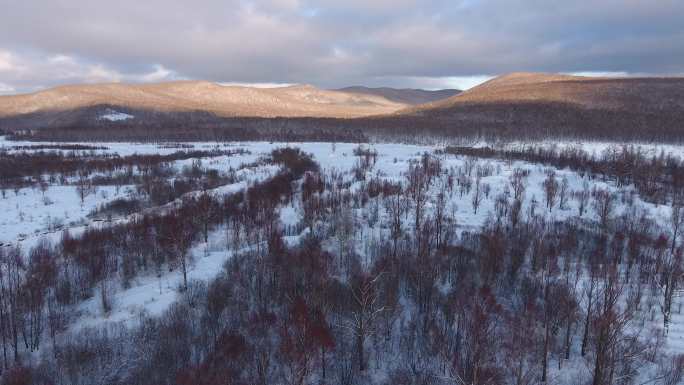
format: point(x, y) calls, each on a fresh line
point(15, 335)
point(185, 273)
point(567, 338)
point(4, 338)
point(598, 372)
point(323, 362)
point(359, 346)
point(545, 357)
point(585, 335)
point(600, 360)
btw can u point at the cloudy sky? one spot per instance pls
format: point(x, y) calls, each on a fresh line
point(332, 43)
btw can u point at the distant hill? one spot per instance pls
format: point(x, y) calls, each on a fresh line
point(517, 106)
point(404, 95)
point(618, 94)
point(560, 105)
point(188, 96)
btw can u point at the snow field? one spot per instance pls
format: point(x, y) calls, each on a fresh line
point(28, 215)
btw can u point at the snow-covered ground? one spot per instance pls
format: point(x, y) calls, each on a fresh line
point(151, 295)
point(30, 211)
point(115, 116)
point(330, 150)
point(30, 214)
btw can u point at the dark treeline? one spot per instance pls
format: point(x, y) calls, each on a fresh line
point(495, 121)
point(235, 131)
point(154, 186)
point(17, 167)
point(63, 147)
point(149, 126)
point(658, 178)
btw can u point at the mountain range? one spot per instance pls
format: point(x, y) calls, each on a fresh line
point(224, 101)
point(513, 105)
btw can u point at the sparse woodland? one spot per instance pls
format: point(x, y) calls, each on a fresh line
point(379, 281)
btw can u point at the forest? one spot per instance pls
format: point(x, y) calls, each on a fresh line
point(359, 264)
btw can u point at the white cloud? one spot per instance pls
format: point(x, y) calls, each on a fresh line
point(465, 82)
point(594, 74)
point(6, 62)
point(62, 60)
point(434, 83)
point(98, 74)
point(6, 89)
point(26, 73)
point(159, 74)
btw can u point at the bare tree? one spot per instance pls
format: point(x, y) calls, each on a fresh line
point(582, 197)
point(514, 212)
point(477, 194)
point(107, 262)
point(611, 323)
point(469, 164)
point(676, 221)
point(518, 181)
point(670, 273)
point(395, 206)
point(603, 205)
point(563, 192)
point(12, 267)
point(418, 186)
point(486, 189)
point(178, 235)
point(591, 294)
point(669, 267)
point(475, 358)
point(83, 185)
point(440, 216)
point(206, 212)
point(44, 185)
point(366, 308)
point(465, 182)
point(550, 185)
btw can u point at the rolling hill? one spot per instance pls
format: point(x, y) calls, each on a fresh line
point(640, 94)
point(515, 106)
point(186, 96)
point(551, 105)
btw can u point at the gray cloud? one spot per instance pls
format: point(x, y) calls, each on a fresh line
point(330, 43)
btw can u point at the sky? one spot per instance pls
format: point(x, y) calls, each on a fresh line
point(333, 43)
